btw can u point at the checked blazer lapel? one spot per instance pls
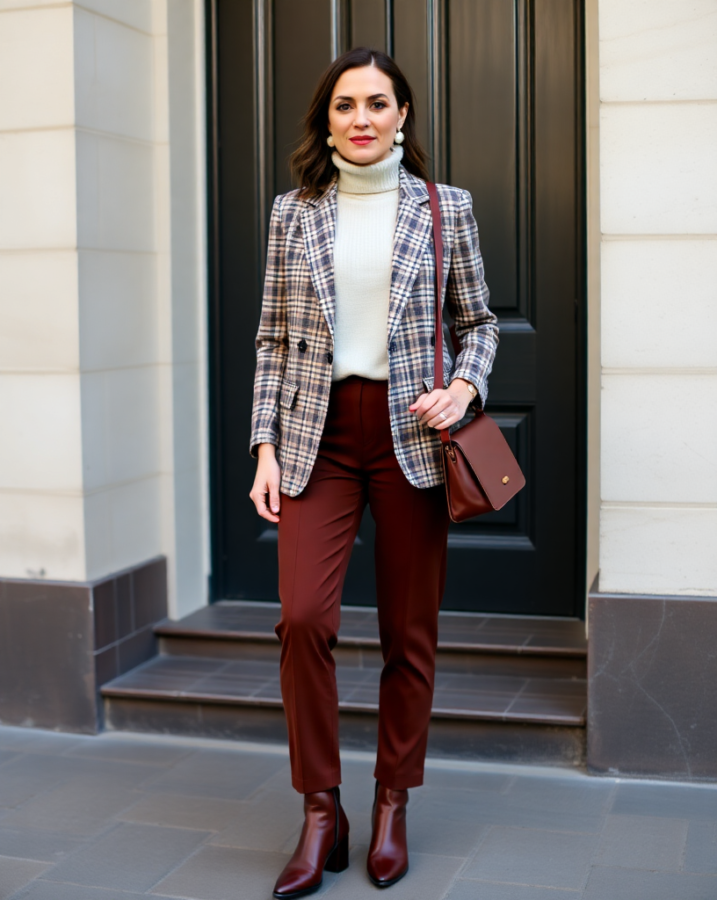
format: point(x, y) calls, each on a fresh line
point(413, 230)
point(318, 222)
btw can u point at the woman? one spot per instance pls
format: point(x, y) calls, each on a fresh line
point(341, 419)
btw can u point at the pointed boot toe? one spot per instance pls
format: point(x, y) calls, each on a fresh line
point(323, 846)
point(388, 854)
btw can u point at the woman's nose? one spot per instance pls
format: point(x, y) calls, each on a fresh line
point(361, 120)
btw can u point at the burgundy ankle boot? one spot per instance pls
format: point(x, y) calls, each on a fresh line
point(388, 854)
point(323, 845)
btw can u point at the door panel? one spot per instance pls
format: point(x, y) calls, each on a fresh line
point(498, 87)
point(483, 134)
point(301, 52)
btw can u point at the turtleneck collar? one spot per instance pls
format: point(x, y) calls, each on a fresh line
point(373, 179)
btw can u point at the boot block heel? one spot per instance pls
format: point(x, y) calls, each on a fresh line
point(338, 859)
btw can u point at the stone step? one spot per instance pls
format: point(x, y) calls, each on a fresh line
point(256, 683)
point(477, 644)
point(485, 717)
point(507, 688)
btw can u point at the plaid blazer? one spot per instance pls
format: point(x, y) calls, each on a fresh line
point(294, 343)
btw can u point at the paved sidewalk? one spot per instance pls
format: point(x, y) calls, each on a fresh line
point(116, 817)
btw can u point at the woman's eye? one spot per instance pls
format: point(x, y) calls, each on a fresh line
point(379, 104)
point(343, 107)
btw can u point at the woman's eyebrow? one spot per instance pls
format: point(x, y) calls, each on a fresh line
point(372, 97)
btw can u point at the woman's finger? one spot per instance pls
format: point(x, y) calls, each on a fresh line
point(442, 404)
point(445, 418)
point(265, 513)
point(259, 495)
point(431, 409)
point(274, 497)
point(424, 402)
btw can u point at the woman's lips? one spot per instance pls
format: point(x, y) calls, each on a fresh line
point(362, 141)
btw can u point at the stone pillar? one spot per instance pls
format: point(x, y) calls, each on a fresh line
point(102, 337)
point(652, 707)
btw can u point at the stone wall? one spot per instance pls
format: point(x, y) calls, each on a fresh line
point(102, 292)
point(658, 210)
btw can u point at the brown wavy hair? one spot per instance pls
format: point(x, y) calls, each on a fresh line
point(310, 163)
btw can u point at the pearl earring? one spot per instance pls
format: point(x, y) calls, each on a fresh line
point(330, 140)
point(399, 137)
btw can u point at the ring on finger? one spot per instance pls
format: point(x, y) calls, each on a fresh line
point(443, 416)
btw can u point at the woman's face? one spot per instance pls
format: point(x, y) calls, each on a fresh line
point(364, 115)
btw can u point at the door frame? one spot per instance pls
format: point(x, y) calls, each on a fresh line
point(218, 511)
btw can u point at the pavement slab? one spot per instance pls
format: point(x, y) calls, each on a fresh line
point(131, 857)
point(701, 849)
point(16, 873)
point(42, 846)
point(641, 884)
point(122, 816)
point(218, 873)
point(533, 857)
point(643, 842)
point(479, 890)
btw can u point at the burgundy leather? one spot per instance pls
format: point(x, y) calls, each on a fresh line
point(481, 474)
point(323, 845)
point(388, 854)
point(479, 470)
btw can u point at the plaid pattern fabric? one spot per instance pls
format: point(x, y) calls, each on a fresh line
point(294, 343)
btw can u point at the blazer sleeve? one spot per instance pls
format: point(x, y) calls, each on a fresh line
point(467, 299)
point(271, 340)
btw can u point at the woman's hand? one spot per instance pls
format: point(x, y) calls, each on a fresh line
point(267, 480)
point(442, 408)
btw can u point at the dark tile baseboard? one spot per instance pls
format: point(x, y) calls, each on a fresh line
point(652, 670)
point(61, 641)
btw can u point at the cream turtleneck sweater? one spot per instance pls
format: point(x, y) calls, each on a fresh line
point(367, 204)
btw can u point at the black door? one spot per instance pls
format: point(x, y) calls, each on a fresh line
point(499, 87)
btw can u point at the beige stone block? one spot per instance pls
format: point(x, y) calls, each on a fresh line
point(659, 438)
point(25, 4)
point(120, 426)
point(164, 304)
point(161, 89)
point(118, 309)
point(37, 190)
point(136, 14)
point(658, 550)
point(658, 169)
point(41, 447)
point(191, 541)
point(123, 526)
point(187, 419)
point(659, 304)
point(39, 328)
point(163, 198)
point(658, 49)
point(114, 77)
point(97, 535)
point(36, 69)
point(41, 536)
point(115, 194)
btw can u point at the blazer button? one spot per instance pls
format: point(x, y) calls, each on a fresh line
point(392, 347)
point(302, 345)
point(329, 357)
point(433, 340)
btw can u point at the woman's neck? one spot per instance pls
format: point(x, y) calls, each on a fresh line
point(374, 179)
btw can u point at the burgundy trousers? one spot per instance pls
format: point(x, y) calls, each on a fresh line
point(356, 465)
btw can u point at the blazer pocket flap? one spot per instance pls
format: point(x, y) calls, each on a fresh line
point(288, 394)
point(428, 380)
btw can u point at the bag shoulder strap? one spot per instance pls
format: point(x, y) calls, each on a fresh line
point(438, 250)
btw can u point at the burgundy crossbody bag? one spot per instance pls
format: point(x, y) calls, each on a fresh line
point(479, 469)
